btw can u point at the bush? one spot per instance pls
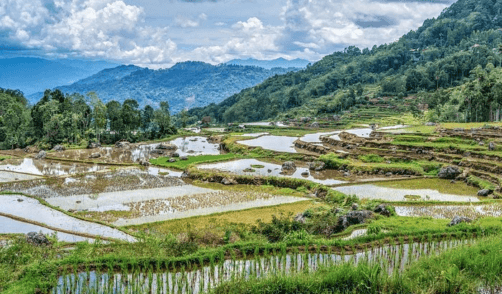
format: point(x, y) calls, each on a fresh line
point(333, 161)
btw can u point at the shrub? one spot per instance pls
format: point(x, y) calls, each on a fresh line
point(371, 158)
point(333, 161)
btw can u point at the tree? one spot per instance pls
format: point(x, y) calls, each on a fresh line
point(98, 113)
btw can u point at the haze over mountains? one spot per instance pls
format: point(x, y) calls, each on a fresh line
point(31, 75)
point(279, 62)
point(185, 85)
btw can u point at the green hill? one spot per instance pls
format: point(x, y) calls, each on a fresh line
point(440, 54)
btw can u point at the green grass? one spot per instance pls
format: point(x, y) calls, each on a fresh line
point(3, 157)
point(257, 166)
point(183, 164)
point(482, 184)
point(371, 158)
point(440, 185)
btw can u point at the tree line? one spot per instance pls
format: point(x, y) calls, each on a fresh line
point(76, 120)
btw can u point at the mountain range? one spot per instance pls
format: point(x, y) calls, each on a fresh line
point(31, 75)
point(185, 85)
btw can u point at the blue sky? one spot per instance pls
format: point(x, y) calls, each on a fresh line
point(159, 33)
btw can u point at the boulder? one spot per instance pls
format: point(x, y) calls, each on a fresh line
point(355, 206)
point(459, 219)
point(481, 143)
point(346, 174)
point(300, 218)
point(41, 155)
point(305, 173)
point(144, 162)
point(172, 160)
point(93, 145)
point(314, 125)
point(352, 218)
point(484, 192)
point(157, 151)
point(491, 146)
point(37, 239)
point(430, 124)
point(226, 181)
point(316, 165)
point(382, 209)
point(176, 154)
point(167, 146)
point(58, 148)
point(449, 172)
point(289, 165)
point(122, 144)
point(95, 155)
point(184, 157)
point(272, 124)
point(389, 174)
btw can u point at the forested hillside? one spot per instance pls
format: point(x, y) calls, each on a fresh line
point(440, 54)
point(187, 84)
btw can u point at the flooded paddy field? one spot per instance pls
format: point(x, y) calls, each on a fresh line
point(133, 153)
point(370, 191)
point(274, 143)
point(393, 258)
point(29, 209)
point(11, 226)
point(6, 176)
point(92, 184)
point(450, 211)
point(261, 168)
point(48, 167)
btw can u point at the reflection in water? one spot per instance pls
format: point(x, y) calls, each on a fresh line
point(269, 169)
point(274, 143)
point(48, 167)
point(202, 280)
point(10, 226)
point(391, 194)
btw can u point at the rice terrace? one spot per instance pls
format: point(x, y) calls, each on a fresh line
point(202, 147)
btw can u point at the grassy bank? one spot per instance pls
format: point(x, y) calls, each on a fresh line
point(192, 160)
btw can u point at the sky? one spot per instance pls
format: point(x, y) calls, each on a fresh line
point(160, 33)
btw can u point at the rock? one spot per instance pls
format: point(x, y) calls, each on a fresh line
point(355, 206)
point(184, 157)
point(314, 125)
point(95, 155)
point(185, 175)
point(382, 209)
point(459, 219)
point(481, 144)
point(430, 124)
point(346, 174)
point(389, 174)
point(305, 173)
point(352, 218)
point(452, 182)
point(449, 172)
point(176, 154)
point(58, 148)
point(272, 124)
point(316, 165)
point(288, 165)
point(157, 151)
point(41, 155)
point(300, 218)
point(144, 162)
point(167, 146)
point(37, 239)
point(226, 181)
point(269, 170)
point(172, 160)
point(93, 145)
point(484, 192)
point(122, 144)
point(491, 146)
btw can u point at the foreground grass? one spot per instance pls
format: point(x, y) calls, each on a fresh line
point(461, 270)
point(183, 164)
point(442, 186)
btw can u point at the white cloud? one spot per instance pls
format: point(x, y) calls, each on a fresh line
point(184, 22)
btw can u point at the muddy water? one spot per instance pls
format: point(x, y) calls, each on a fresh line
point(10, 226)
point(47, 167)
point(202, 280)
point(195, 145)
point(450, 211)
point(390, 194)
point(32, 210)
point(239, 166)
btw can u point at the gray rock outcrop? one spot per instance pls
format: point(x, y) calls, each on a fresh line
point(449, 172)
point(41, 155)
point(37, 239)
point(459, 219)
